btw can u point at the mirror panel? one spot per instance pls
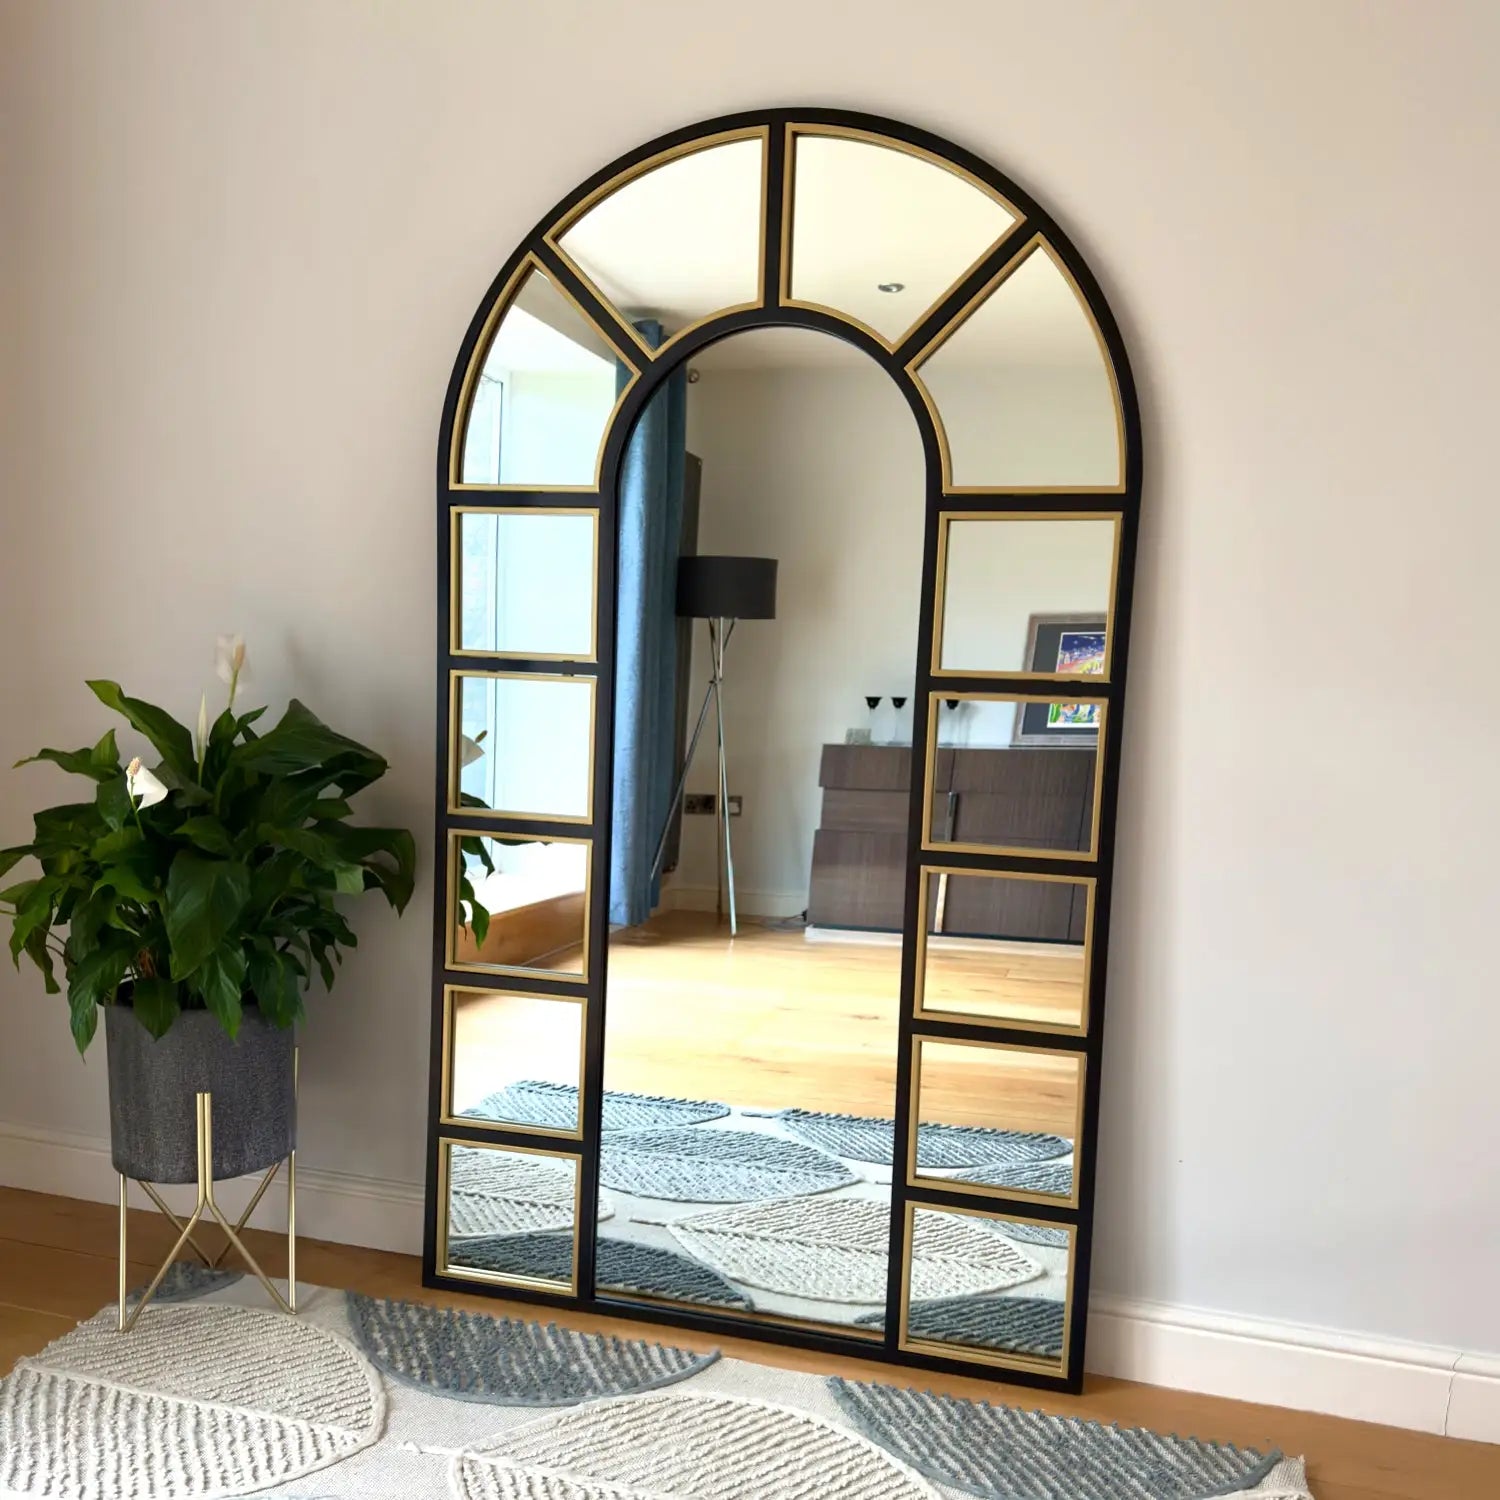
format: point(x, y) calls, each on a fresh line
point(509, 1215)
point(543, 396)
point(514, 1060)
point(1015, 774)
point(1019, 1108)
point(992, 1288)
point(1028, 595)
point(1005, 949)
point(678, 243)
point(1022, 387)
point(524, 583)
point(867, 217)
point(523, 744)
point(519, 905)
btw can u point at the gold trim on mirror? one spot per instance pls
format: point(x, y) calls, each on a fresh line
point(934, 703)
point(455, 742)
point(918, 1179)
point(508, 292)
point(873, 138)
point(446, 1113)
point(455, 580)
point(1037, 243)
point(939, 603)
point(969, 1353)
point(500, 1278)
point(579, 975)
point(554, 236)
point(922, 1012)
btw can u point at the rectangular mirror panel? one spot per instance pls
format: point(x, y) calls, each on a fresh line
point(1007, 949)
point(509, 1215)
point(1026, 595)
point(514, 1059)
point(519, 904)
point(1023, 775)
point(994, 1119)
point(991, 1288)
point(524, 583)
point(523, 744)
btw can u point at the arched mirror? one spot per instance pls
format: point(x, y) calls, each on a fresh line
point(788, 486)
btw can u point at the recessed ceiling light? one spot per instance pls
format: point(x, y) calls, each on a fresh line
point(891, 286)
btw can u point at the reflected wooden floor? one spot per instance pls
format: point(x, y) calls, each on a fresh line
point(57, 1267)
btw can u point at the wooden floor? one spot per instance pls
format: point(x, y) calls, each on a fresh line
point(57, 1266)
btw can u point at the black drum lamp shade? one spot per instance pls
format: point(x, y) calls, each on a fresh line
point(726, 588)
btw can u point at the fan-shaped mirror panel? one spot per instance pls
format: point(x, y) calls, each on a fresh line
point(678, 242)
point(1023, 388)
point(880, 234)
point(541, 397)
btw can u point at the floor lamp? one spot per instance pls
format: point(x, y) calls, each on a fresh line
point(723, 591)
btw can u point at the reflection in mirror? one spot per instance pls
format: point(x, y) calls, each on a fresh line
point(1014, 773)
point(523, 582)
point(1023, 390)
point(1025, 594)
point(543, 396)
point(521, 904)
point(996, 1287)
point(758, 1061)
point(524, 744)
point(1005, 948)
point(511, 1216)
point(679, 242)
point(1025, 1103)
point(882, 234)
point(515, 1059)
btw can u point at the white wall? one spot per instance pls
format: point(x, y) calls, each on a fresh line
point(243, 243)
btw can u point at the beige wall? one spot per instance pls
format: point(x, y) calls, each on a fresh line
point(243, 241)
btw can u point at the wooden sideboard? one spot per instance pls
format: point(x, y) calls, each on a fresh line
point(1027, 797)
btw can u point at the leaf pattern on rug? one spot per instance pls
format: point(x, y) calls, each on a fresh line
point(864, 1138)
point(510, 1192)
point(1017, 1325)
point(554, 1106)
point(716, 1166)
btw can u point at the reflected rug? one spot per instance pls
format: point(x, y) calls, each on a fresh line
point(554, 1106)
point(355, 1399)
point(861, 1138)
point(716, 1166)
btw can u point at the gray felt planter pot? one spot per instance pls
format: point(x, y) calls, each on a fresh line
point(153, 1088)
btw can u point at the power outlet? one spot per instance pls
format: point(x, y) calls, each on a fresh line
point(707, 804)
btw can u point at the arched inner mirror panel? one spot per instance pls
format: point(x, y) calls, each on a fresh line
point(777, 822)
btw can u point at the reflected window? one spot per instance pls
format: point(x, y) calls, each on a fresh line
point(524, 582)
point(521, 904)
point(1026, 594)
point(1023, 390)
point(543, 395)
point(1004, 948)
point(881, 234)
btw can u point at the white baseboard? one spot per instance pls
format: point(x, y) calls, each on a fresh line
point(777, 905)
point(1428, 1388)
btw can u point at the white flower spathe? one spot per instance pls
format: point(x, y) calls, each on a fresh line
point(229, 658)
point(142, 785)
point(469, 751)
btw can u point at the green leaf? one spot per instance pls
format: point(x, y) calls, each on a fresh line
point(204, 899)
point(78, 762)
point(34, 913)
point(173, 742)
point(74, 825)
point(329, 809)
point(221, 981)
point(207, 833)
point(129, 884)
point(363, 845)
point(156, 1005)
point(10, 858)
point(93, 980)
point(117, 844)
point(41, 955)
point(106, 756)
point(301, 742)
point(349, 880)
point(83, 1019)
point(113, 803)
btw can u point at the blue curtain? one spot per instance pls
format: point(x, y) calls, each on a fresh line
point(650, 537)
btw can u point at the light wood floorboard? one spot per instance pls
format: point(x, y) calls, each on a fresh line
point(57, 1265)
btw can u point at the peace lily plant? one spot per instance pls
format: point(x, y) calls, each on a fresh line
point(209, 880)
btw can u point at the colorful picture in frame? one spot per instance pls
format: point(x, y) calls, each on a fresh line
point(1063, 646)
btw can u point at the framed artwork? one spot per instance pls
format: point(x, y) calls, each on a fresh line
point(1064, 646)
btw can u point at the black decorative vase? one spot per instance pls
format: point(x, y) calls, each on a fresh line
point(154, 1084)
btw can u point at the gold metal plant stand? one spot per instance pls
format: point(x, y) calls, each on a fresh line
point(287, 1304)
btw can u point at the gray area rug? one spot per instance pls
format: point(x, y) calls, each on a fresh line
point(716, 1166)
point(1017, 1325)
point(508, 1361)
point(621, 1266)
point(185, 1280)
point(554, 1106)
point(860, 1138)
point(1004, 1453)
point(511, 1192)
